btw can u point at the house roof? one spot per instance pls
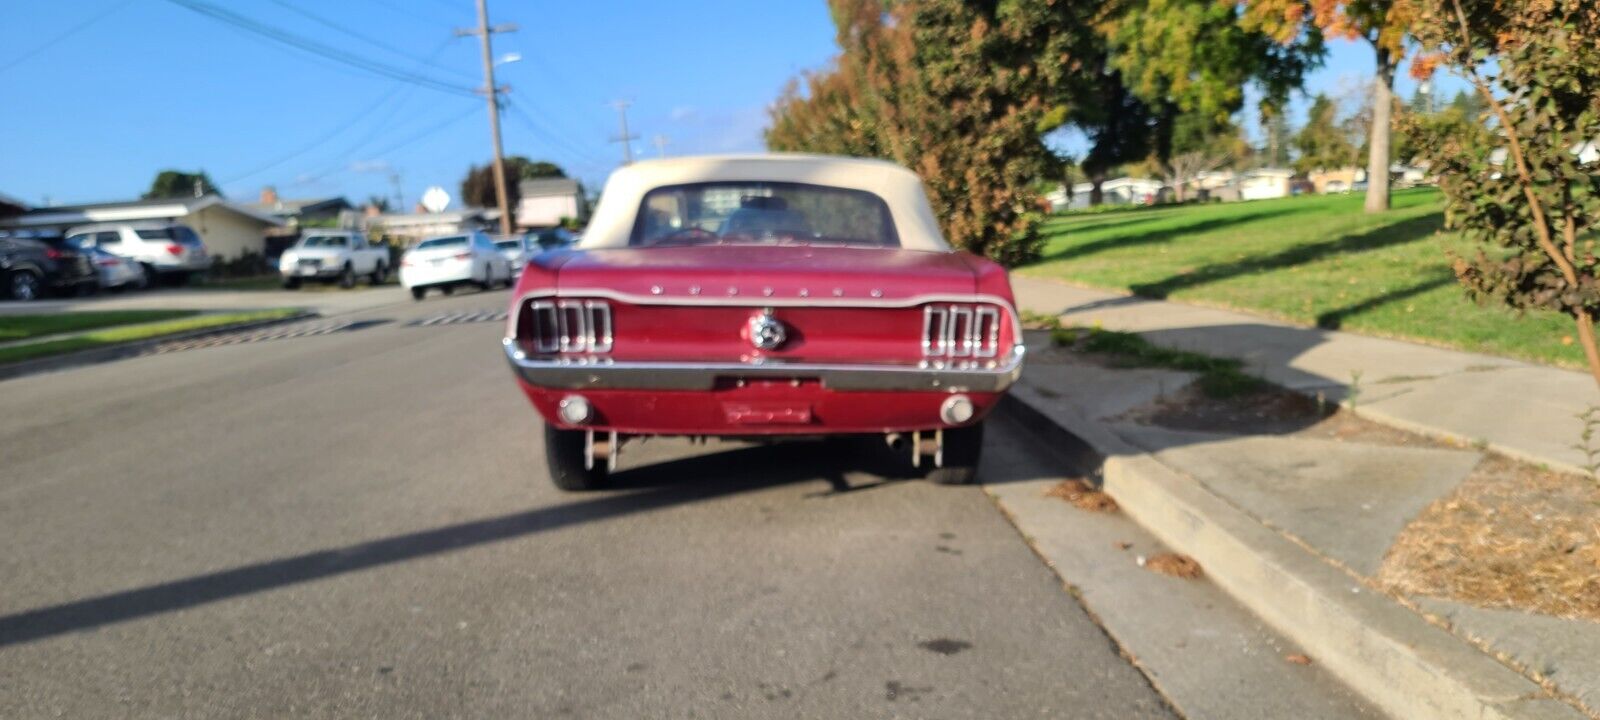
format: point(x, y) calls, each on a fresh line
point(300, 205)
point(548, 186)
point(157, 209)
point(8, 201)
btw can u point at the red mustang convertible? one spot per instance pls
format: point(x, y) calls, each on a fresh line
point(763, 296)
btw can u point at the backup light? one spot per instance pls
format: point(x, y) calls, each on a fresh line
point(956, 409)
point(574, 410)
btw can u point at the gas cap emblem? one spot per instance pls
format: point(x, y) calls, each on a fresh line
point(766, 331)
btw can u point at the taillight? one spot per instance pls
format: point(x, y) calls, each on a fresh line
point(569, 326)
point(463, 256)
point(175, 250)
point(405, 261)
point(53, 253)
point(106, 262)
point(960, 331)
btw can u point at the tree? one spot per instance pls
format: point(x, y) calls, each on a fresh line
point(1523, 188)
point(477, 188)
point(179, 184)
point(1201, 144)
point(1279, 135)
point(1323, 143)
point(1190, 61)
point(1383, 24)
point(958, 91)
point(378, 201)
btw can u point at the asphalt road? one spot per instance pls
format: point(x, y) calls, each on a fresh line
point(358, 524)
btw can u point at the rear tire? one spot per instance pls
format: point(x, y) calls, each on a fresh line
point(448, 290)
point(291, 283)
point(418, 293)
point(563, 454)
point(488, 278)
point(24, 286)
point(347, 279)
point(380, 275)
point(963, 446)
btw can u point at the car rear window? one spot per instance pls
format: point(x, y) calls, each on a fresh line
point(753, 212)
point(508, 244)
point(442, 242)
point(176, 233)
point(324, 241)
point(156, 234)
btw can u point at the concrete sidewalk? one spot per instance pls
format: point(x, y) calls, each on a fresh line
point(1522, 410)
point(1298, 523)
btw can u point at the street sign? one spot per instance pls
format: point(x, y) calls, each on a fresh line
point(435, 199)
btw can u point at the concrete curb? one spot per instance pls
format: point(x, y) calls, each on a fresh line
point(1389, 654)
point(119, 351)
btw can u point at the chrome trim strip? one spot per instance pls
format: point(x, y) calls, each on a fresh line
point(836, 301)
point(602, 373)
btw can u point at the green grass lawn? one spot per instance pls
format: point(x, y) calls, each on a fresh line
point(114, 335)
point(1316, 260)
point(22, 327)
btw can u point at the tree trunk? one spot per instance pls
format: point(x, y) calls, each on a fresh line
point(1097, 195)
point(1378, 142)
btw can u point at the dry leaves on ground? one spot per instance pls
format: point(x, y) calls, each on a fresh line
point(1173, 564)
point(1297, 659)
point(1082, 496)
point(1511, 536)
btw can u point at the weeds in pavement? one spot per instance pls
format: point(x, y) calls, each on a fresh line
point(1173, 564)
point(1219, 377)
point(1039, 321)
point(1586, 445)
point(1354, 398)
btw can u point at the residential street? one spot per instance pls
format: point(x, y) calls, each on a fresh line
point(358, 523)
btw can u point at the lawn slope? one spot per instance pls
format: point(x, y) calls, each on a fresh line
point(1316, 260)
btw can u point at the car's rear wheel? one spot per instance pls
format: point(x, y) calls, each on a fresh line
point(448, 289)
point(488, 277)
point(418, 293)
point(23, 286)
point(292, 283)
point(564, 454)
point(347, 278)
point(962, 448)
point(380, 274)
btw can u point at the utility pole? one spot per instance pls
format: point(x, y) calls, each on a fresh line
point(492, 92)
point(660, 141)
point(399, 197)
point(625, 138)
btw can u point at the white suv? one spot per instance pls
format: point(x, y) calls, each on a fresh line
point(164, 249)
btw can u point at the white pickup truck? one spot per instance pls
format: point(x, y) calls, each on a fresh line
point(329, 255)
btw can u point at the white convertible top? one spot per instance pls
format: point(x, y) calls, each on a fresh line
point(901, 190)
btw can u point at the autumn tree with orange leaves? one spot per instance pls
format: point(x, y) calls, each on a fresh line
point(1383, 24)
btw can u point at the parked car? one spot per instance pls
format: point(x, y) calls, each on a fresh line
point(551, 238)
point(515, 249)
point(451, 261)
point(115, 272)
point(31, 266)
point(773, 296)
point(168, 251)
point(329, 255)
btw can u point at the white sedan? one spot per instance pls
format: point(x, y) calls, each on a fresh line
point(454, 260)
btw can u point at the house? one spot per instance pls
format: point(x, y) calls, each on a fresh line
point(1336, 180)
point(406, 229)
point(306, 212)
point(10, 206)
point(229, 230)
point(1120, 191)
point(1265, 183)
point(545, 201)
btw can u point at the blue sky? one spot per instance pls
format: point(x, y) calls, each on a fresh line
point(148, 84)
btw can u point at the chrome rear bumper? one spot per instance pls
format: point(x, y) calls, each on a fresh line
point(572, 374)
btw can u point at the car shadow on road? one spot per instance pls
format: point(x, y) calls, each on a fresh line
point(644, 489)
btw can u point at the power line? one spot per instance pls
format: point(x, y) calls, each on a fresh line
point(287, 38)
point(374, 42)
point(554, 139)
point(69, 32)
point(368, 109)
point(396, 145)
